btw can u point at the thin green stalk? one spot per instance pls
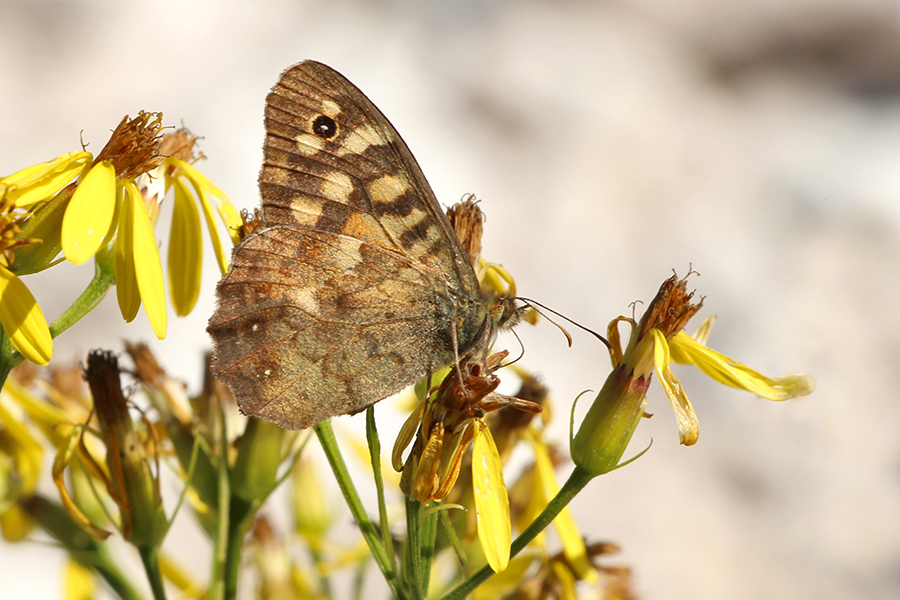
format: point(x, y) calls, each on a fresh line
point(86, 302)
point(576, 482)
point(324, 581)
point(366, 527)
point(220, 543)
point(240, 520)
point(455, 543)
point(54, 519)
point(375, 456)
point(421, 529)
point(150, 558)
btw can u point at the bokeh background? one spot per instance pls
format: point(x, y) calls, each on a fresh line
point(757, 141)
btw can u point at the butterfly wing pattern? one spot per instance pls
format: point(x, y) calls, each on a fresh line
point(356, 285)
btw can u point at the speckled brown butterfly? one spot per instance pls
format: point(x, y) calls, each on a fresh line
point(356, 285)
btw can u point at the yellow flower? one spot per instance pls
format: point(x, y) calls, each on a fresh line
point(21, 317)
point(107, 203)
point(39, 183)
point(20, 467)
point(446, 424)
point(185, 257)
point(110, 210)
point(655, 343)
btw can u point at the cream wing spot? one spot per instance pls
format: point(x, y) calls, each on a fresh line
point(358, 140)
point(388, 188)
point(305, 300)
point(349, 255)
point(338, 187)
point(308, 144)
point(331, 108)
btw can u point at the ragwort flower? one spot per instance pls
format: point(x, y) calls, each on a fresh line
point(446, 424)
point(655, 343)
point(110, 210)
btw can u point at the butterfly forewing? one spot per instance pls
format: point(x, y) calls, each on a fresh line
point(362, 182)
point(356, 285)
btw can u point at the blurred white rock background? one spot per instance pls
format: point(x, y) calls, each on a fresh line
point(610, 142)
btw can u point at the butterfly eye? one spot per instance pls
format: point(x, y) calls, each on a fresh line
point(324, 127)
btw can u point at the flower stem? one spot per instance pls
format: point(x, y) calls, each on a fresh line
point(86, 302)
point(576, 482)
point(366, 527)
point(221, 539)
point(375, 457)
point(54, 519)
point(421, 528)
point(150, 558)
point(240, 520)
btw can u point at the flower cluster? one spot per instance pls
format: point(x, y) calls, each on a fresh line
point(106, 207)
point(121, 435)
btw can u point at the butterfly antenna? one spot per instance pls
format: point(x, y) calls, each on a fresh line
point(536, 305)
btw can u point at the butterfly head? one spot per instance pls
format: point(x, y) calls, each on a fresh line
point(506, 312)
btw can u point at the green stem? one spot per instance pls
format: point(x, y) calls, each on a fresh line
point(420, 534)
point(86, 302)
point(455, 543)
point(150, 558)
point(240, 520)
point(220, 543)
point(375, 456)
point(54, 519)
point(368, 530)
point(576, 482)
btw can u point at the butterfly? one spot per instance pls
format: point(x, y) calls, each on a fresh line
point(355, 285)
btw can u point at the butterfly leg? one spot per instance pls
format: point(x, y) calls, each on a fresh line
point(455, 341)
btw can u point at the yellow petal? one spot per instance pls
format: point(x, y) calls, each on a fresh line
point(147, 265)
point(407, 431)
point(185, 252)
point(52, 421)
point(227, 212)
point(491, 500)
point(80, 582)
point(15, 524)
point(180, 578)
point(41, 182)
point(23, 320)
point(565, 580)
point(702, 333)
point(688, 426)
point(26, 450)
point(64, 455)
point(127, 292)
point(500, 584)
point(573, 544)
point(732, 373)
point(90, 213)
